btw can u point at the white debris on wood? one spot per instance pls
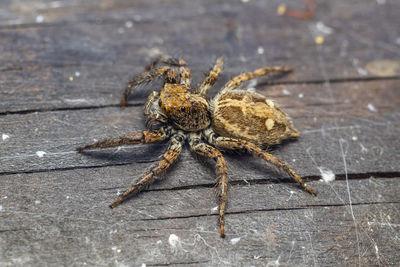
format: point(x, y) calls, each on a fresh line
point(175, 243)
point(39, 19)
point(372, 107)
point(234, 241)
point(128, 24)
point(286, 92)
point(327, 175)
point(323, 29)
point(40, 154)
point(5, 137)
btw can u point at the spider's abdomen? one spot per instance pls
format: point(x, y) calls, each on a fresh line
point(250, 116)
point(186, 110)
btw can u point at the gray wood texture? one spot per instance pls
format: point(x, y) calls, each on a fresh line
point(64, 65)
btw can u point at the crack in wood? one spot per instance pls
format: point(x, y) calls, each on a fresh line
point(305, 207)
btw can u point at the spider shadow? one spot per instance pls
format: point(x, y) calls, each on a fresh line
point(128, 154)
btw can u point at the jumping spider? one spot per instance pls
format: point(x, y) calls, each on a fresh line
point(232, 120)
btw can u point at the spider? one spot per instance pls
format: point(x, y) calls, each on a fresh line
point(232, 120)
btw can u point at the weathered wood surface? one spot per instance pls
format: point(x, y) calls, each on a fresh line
point(64, 65)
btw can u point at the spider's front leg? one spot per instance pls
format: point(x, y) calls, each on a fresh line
point(227, 143)
point(169, 157)
point(165, 59)
point(203, 149)
point(145, 137)
point(212, 76)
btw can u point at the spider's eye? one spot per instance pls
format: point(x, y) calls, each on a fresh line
point(159, 102)
point(183, 109)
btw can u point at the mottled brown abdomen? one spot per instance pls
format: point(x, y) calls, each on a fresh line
point(250, 116)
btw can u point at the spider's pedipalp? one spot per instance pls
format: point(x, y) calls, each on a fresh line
point(168, 158)
point(165, 59)
point(129, 139)
point(186, 76)
point(144, 77)
point(203, 149)
point(212, 76)
point(236, 81)
point(227, 143)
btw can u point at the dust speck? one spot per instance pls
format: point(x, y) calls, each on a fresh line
point(301, 95)
point(286, 92)
point(281, 10)
point(327, 175)
point(5, 137)
point(319, 39)
point(260, 50)
point(234, 241)
point(322, 28)
point(39, 19)
point(372, 107)
point(40, 154)
point(128, 24)
point(175, 243)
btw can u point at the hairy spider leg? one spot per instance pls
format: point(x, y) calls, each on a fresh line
point(165, 59)
point(169, 157)
point(212, 77)
point(145, 137)
point(238, 80)
point(186, 76)
point(144, 77)
point(237, 144)
point(203, 149)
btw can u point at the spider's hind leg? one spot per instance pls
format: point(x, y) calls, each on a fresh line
point(227, 143)
point(169, 157)
point(145, 137)
point(203, 149)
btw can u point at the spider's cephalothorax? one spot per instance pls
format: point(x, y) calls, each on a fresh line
point(232, 120)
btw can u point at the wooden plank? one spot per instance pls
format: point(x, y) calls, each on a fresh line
point(105, 44)
point(367, 138)
point(63, 67)
point(266, 223)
